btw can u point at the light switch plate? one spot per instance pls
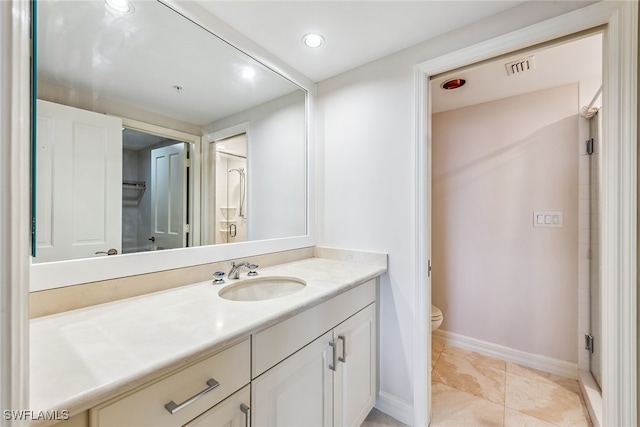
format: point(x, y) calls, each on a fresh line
point(547, 219)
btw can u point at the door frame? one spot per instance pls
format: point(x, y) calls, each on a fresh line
point(619, 195)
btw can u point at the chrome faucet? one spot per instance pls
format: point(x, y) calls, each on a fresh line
point(234, 273)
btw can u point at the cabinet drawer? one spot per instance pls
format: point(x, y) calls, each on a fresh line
point(146, 406)
point(234, 411)
point(279, 341)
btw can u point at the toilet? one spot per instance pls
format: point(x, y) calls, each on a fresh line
point(436, 317)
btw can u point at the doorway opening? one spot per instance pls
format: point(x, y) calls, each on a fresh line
point(510, 209)
point(157, 191)
point(231, 188)
point(618, 199)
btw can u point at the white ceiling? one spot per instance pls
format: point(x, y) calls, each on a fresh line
point(138, 59)
point(576, 61)
point(358, 32)
point(355, 32)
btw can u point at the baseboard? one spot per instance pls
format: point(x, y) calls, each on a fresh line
point(395, 407)
point(535, 361)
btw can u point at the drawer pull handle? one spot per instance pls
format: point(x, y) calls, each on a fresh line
point(172, 407)
point(343, 359)
point(247, 414)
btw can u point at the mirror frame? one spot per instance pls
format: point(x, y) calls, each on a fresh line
point(66, 273)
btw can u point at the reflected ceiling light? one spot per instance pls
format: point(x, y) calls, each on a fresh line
point(453, 84)
point(248, 73)
point(120, 6)
point(313, 40)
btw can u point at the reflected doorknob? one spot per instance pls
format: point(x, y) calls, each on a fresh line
point(153, 238)
point(111, 251)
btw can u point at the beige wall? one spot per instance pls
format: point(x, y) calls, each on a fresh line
point(496, 278)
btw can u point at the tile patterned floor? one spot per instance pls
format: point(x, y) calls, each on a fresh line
point(469, 389)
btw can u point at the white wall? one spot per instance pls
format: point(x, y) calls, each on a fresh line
point(497, 278)
point(366, 184)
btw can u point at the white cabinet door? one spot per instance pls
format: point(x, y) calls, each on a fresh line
point(355, 378)
point(168, 196)
point(297, 392)
point(79, 183)
point(234, 411)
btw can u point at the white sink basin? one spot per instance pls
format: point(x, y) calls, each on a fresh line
point(262, 288)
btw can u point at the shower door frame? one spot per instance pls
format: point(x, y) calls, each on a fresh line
point(619, 195)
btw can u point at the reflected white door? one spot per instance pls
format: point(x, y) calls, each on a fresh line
point(169, 196)
point(79, 183)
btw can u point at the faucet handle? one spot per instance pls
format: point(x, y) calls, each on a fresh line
point(218, 277)
point(252, 269)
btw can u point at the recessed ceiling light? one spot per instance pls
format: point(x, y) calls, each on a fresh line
point(313, 40)
point(120, 6)
point(248, 73)
point(453, 84)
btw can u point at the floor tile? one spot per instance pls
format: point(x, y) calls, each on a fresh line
point(524, 371)
point(436, 350)
point(380, 419)
point(455, 408)
point(545, 400)
point(516, 419)
point(476, 358)
point(471, 375)
point(437, 345)
point(472, 390)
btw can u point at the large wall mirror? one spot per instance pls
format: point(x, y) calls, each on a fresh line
point(153, 134)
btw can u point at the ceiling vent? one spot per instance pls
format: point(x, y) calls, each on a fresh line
point(521, 65)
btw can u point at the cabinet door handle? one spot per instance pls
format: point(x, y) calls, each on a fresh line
point(334, 353)
point(172, 407)
point(247, 414)
point(343, 359)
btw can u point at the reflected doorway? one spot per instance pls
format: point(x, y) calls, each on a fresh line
point(155, 192)
point(231, 189)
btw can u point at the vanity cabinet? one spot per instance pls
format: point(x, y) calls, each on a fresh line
point(330, 381)
point(317, 368)
point(192, 390)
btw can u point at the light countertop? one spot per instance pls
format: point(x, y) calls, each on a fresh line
point(83, 357)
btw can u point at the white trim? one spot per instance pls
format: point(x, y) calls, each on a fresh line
point(619, 238)
point(619, 198)
point(394, 407)
point(67, 273)
point(592, 397)
point(422, 323)
point(15, 224)
point(227, 132)
point(536, 361)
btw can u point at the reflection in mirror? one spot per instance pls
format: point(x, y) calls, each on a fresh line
point(155, 192)
point(104, 186)
point(231, 188)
